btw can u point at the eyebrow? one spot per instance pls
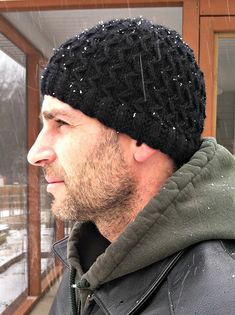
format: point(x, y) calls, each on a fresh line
point(49, 115)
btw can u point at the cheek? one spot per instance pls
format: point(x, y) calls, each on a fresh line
point(69, 156)
point(74, 150)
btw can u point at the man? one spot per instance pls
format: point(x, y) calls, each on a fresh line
point(121, 148)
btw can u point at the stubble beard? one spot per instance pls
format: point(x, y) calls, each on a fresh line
point(102, 189)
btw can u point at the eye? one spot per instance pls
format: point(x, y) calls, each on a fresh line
point(61, 122)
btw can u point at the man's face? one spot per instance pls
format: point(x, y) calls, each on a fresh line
point(84, 164)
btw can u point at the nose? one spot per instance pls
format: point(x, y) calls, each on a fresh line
point(41, 153)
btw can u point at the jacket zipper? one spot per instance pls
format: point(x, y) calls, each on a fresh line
point(74, 307)
point(75, 300)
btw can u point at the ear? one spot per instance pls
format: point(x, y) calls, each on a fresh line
point(143, 152)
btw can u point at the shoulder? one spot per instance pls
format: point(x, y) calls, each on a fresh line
point(60, 305)
point(61, 302)
point(203, 281)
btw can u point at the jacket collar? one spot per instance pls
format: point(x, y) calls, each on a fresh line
point(112, 297)
point(59, 248)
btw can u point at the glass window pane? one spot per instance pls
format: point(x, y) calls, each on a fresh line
point(47, 223)
point(68, 227)
point(13, 174)
point(47, 229)
point(225, 127)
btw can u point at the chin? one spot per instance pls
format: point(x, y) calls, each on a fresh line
point(57, 210)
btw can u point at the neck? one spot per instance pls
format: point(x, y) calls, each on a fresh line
point(111, 227)
point(148, 186)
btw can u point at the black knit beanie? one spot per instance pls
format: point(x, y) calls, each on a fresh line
point(138, 78)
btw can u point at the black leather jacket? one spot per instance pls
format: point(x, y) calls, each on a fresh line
point(197, 281)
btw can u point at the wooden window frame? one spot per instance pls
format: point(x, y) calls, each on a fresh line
point(210, 30)
point(217, 8)
point(190, 21)
point(30, 5)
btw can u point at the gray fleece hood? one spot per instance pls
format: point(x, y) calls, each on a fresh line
point(197, 203)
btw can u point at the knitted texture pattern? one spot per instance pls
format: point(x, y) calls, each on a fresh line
point(138, 78)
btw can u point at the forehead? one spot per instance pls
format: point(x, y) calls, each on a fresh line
point(53, 106)
point(50, 103)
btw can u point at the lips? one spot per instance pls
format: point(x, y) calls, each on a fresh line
point(54, 184)
point(51, 180)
